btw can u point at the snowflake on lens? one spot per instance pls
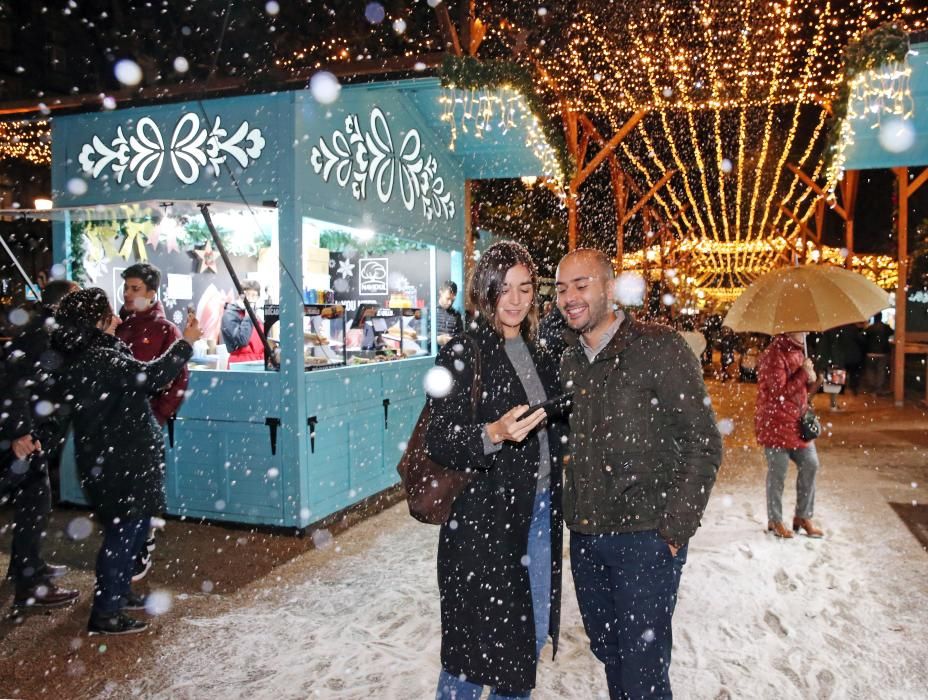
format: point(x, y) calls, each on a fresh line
point(177, 317)
point(345, 268)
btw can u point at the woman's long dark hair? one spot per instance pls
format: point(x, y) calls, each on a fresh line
point(489, 275)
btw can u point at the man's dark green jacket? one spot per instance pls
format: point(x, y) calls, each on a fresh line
point(644, 446)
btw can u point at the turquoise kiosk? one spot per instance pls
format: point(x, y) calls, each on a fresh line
point(898, 143)
point(359, 207)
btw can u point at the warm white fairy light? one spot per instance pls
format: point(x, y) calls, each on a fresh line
point(482, 110)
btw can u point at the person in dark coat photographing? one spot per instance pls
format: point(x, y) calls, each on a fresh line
point(499, 553)
point(119, 448)
point(644, 454)
point(784, 376)
point(31, 433)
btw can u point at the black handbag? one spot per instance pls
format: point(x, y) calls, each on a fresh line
point(810, 427)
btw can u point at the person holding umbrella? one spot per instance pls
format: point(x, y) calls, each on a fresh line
point(787, 303)
point(784, 376)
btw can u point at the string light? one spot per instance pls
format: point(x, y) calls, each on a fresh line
point(747, 67)
point(502, 108)
point(28, 140)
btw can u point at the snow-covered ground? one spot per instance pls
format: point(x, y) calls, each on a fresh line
point(843, 617)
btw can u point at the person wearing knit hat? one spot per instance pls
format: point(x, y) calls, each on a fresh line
point(119, 448)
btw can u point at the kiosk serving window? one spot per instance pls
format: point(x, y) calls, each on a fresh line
point(174, 237)
point(386, 285)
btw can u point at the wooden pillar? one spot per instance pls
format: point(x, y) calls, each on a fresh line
point(902, 180)
point(849, 200)
point(621, 206)
point(571, 220)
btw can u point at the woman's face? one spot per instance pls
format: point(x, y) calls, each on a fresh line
point(516, 300)
point(109, 323)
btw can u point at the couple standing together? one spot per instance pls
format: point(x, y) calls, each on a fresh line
point(631, 478)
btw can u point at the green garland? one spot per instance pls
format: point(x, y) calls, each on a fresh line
point(78, 250)
point(471, 73)
point(887, 43)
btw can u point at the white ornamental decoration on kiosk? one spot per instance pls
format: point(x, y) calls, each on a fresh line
point(371, 158)
point(192, 147)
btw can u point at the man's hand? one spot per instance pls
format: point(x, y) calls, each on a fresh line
point(673, 549)
point(25, 446)
point(192, 332)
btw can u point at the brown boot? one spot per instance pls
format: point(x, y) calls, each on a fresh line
point(44, 596)
point(779, 529)
point(807, 525)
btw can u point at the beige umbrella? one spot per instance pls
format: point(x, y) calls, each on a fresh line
point(805, 298)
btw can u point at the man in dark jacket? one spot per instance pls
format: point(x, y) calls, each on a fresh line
point(644, 453)
point(30, 435)
point(118, 444)
point(448, 319)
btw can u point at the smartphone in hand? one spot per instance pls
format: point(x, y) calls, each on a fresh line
point(553, 406)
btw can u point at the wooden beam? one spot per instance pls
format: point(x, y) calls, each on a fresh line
point(849, 199)
point(918, 182)
point(620, 193)
point(644, 200)
point(448, 32)
point(570, 126)
point(839, 210)
point(607, 149)
point(581, 151)
point(571, 222)
point(902, 182)
point(796, 220)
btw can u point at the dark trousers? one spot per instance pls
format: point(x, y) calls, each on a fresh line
point(25, 484)
point(627, 590)
point(121, 542)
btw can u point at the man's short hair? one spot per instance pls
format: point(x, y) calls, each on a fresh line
point(149, 274)
point(253, 285)
point(56, 290)
point(450, 286)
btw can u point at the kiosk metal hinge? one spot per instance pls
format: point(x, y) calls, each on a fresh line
point(312, 422)
point(386, 413)
point(273, 424)
point(170, 422)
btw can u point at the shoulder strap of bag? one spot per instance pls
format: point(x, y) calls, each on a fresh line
point(475, 388)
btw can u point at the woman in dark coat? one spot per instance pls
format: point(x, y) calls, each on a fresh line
point(119, 448)
point(499, 554)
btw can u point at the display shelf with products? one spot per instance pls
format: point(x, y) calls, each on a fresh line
point(324, 334)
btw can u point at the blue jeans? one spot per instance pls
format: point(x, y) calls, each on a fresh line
point(121, 542)
point(627, 590)
point(539, 575)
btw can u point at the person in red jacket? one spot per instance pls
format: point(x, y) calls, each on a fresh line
point(149, 334)
point(784, 376)
point(238, 333)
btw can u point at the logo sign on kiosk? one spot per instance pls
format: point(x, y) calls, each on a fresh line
point(373, 274)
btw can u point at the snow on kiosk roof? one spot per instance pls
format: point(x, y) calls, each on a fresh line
point(291, 447)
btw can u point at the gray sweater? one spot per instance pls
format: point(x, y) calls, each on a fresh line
point(522, 361)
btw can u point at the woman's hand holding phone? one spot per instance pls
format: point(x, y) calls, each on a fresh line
point(513, 426)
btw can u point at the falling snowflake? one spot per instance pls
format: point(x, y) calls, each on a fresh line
point(345, 268)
